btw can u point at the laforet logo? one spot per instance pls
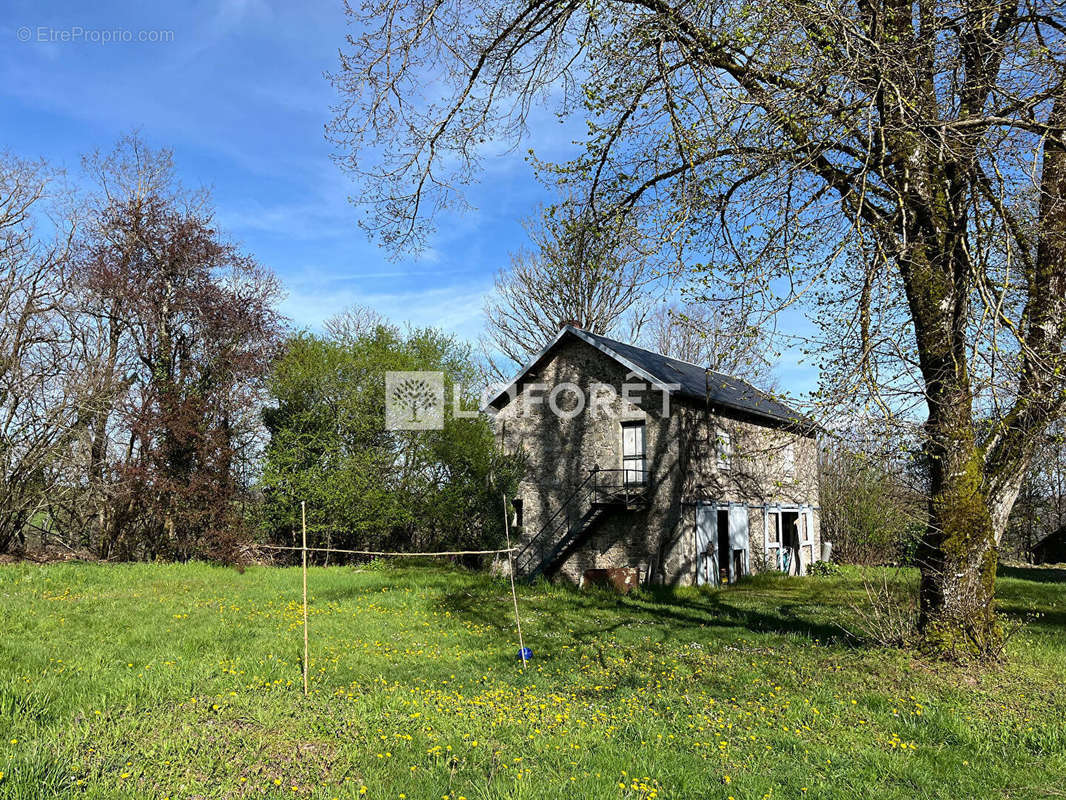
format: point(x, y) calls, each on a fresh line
point(414, 401)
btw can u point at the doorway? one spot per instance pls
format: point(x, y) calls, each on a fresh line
point(721, 543)
point(724, 561)
point(790, 543)
point(739, 559)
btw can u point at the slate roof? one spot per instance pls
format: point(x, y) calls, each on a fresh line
point(696, 383)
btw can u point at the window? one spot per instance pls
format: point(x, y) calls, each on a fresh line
point(517, 504)
point(789, 460)
point(723, 449)
point(633, 453)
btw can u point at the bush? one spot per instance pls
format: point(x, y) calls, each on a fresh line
point(366, 486)
point(824, 569)
point(889, 615)
point(867, 512)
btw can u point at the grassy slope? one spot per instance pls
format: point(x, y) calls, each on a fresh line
point(184, 681)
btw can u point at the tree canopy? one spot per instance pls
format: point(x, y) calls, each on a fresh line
point(368, 487)
point(900, 164)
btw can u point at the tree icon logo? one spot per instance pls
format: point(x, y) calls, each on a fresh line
point(416, 395)
point(414, 400)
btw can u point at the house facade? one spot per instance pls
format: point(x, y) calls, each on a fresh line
point(636, 460)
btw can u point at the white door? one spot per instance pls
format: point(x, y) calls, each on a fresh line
point(738, 540)
point(772, 538)
point(807, 554)
point(706, 544)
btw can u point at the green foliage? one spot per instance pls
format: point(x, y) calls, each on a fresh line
point(366, 486)
point(183, 680)
point(824, 569)
point(867, 512)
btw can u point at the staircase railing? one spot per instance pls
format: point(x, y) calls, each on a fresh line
point(599, 487)
point(556, 521)
point(627, 484)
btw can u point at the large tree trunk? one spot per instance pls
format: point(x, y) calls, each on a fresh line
point(957, 556)
point(973, 488)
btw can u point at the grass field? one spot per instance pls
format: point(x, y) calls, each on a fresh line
point(183, 681)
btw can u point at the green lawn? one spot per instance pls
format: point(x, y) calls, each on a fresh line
point(183, 681)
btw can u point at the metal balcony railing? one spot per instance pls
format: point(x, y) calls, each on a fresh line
point(600, 490)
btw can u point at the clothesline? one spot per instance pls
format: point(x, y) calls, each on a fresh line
point(389, 553)
point(304, 550)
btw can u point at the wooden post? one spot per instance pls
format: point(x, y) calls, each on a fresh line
point(510, 570)
point(303, 516)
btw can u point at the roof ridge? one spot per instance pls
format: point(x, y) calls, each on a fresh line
point(728, 391)
point(679, 360)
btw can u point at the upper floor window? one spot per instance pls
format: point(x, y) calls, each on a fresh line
point(723, 448)
point(633, 453)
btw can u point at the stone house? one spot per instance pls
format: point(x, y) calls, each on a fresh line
point(637, 460)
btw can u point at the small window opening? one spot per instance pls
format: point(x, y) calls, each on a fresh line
point(724, 450)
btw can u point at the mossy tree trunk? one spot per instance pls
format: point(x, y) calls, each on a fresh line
point(973, 485)
point(957, 555)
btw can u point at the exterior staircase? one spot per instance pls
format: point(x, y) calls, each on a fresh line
point(601, 493)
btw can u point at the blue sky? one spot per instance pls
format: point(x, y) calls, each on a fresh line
point(238, 93)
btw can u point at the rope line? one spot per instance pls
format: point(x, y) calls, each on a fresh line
point(510, 572)
point(387, 553)
point(304, 550)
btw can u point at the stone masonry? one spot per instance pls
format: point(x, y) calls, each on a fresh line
point(764, 467)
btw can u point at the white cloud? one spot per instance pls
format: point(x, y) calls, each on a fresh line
point(454, 308)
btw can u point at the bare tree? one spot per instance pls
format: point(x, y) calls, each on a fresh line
point(133, 341)
point(128, 174)
point(35, 408)
point(900, 164)
point(593, 277)
point(180, 328)
point(353, 322)
point(723, 338)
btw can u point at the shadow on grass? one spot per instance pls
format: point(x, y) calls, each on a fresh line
point(1032, 617)
point(1033, 596)
point(349, 583)
point(674, 615)
point(1035, 574)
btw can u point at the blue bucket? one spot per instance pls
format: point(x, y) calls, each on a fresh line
point(525, 654)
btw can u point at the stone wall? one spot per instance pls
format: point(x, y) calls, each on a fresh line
point(763, 468)
point(682, 467)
